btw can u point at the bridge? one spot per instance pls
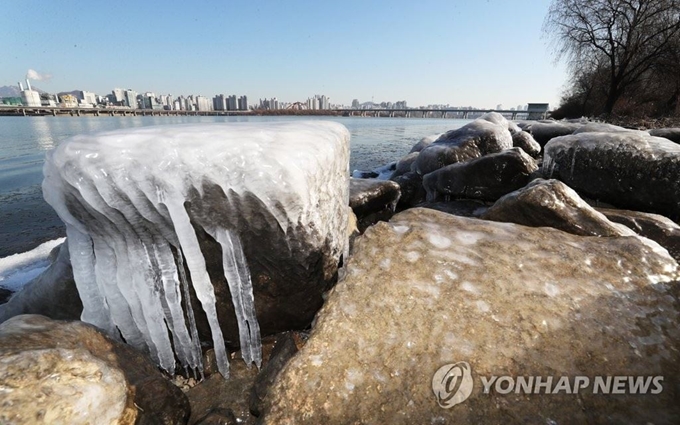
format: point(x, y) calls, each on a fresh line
point(19, 110)
point(442, 113)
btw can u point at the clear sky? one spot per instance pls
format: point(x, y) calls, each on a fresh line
point(461, 52)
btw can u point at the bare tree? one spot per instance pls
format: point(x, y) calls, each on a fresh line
point(625, 35)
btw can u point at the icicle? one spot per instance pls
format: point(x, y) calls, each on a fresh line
point(241, 287)
point(199, 277)
point(190, 313)
point(184, 346)
point(95, 308)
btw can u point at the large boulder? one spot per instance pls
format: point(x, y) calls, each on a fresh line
point(428, 291)
point(372, 200)
point(482, 136)
point(672, 134)
point(627, 169)
point(525, 140)
point(601, 127)
point(54, 372)
point(551, 203)
point(486, 178)
point(424, 142)
point(405, 164)
point(655, 227)
point(183, 236)
point(543, 132)
point(52, 293)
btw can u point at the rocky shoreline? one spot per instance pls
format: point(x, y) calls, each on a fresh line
point(536, 248)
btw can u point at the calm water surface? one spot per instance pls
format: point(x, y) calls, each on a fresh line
point(26, 220)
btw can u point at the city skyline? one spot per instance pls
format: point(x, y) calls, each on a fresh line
point(466, 53)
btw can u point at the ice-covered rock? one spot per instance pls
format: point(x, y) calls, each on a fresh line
point(482, 136)
point(54, 372)
point(601, 127)
point(52, 293)
point(372, 200)
point(217, 230)
point(430, 289)
point(486, 178)
point(525, 140)
point(405, 164)
point(627, 169)
point(658, 228)
point(672, 133)
point(543, 132)
point(381, 173)
point(424, 142)
point(551, 203)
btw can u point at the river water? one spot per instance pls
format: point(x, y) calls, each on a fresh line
point(26, 220)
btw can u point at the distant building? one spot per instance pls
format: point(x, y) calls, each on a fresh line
point(243, 103)
point(131, 99)
point(68, 101)
point(220, 102)
point(355, 104)
point(118, 97)
point(87, 98)
point(232, 103)
point(203, 103)
point(537, 111)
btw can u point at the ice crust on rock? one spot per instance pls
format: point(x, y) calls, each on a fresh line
point(123, 195)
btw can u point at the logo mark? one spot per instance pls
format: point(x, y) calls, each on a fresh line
point(452, 384)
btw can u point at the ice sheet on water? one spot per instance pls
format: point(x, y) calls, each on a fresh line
point(122, 196)
point(18, 269)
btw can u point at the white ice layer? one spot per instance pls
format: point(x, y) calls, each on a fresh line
point(122, 196)
point(18, 269)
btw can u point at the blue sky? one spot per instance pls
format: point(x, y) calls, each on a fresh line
point(464, 53)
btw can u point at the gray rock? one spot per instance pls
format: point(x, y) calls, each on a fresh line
point(53, 293)
point(525, 140)
point(372, 200)
point(486, 178)
point(543, 132)
point(70, 373)
point(655, 227)
point(551, 203)
point(672, 134)
point(411, 188)
point(627, 169)
point(430, 289)
point(473, 140)
point(405, 164)
point(424, 142)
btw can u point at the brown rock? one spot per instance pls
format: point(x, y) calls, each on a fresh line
point(429, 289)
point(70, 373)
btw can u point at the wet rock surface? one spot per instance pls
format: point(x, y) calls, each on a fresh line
point(372, 200)
point(658, 228)
point(69, 372)
point(53, 293)
point(630, 170)
point(525, 140)
point(551, 203)
point(486, 178)
point(543, 132)
point(405, 164)
point(411, 188)
point(507, 299)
